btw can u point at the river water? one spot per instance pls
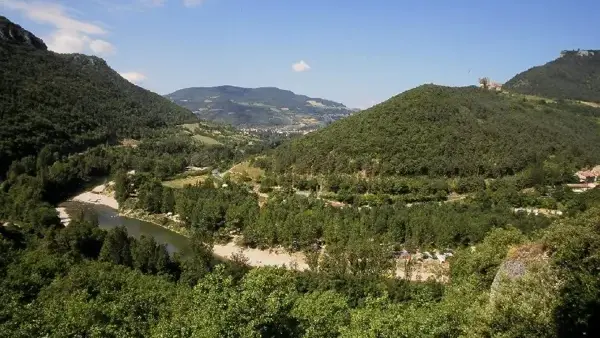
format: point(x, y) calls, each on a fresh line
point(109, 218)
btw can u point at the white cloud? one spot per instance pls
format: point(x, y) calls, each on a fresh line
point(128, 5)
point(102, 47)
point(140, 5)
point(62, 41)
point(54, 14)
point(300, 66)
point(192, 3)
point(152, 3)
point(70, 35)
point(134, 77)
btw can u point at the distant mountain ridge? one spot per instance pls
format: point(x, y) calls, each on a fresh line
point(68, 101)
point(264, 106)
point(574, 75)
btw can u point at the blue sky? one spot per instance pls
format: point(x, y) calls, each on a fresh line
point(355, 52)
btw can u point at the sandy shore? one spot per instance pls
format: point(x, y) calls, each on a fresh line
point(257, 257)
point(95, 197)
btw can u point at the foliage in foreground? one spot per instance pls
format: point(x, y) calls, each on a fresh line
point(79, 281)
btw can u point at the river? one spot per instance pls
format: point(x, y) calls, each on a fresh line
point(109, 218)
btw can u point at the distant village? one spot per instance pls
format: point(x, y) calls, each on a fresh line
point(287, 130)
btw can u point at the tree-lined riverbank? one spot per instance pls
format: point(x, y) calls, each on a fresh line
point(254, 257)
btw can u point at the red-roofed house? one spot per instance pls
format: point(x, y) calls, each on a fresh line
point(587, 176)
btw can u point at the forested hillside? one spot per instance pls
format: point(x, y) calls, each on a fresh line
point(435, 130)
point(266, 106)
point(70, 101)
point(574, 75)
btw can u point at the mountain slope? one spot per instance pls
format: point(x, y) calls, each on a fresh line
point(70, 101)
point(438, 130)
point(574, 75)
point(265, 106)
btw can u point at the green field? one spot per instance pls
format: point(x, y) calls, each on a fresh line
point(193, 126)
point(181, 182)
point(245, 168)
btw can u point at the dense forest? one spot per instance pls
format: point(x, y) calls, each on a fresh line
point(575, 75)
point(82, 281)
point(358, 190)
point(303, 223)
point(34, 183)
point(71, 101)
point(442, 131)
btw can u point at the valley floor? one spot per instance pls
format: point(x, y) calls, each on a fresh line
point(272, 257)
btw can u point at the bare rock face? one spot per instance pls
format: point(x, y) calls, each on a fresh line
point(579, 52)
point(517, 262)
point(87, 61)
point(15, 34)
